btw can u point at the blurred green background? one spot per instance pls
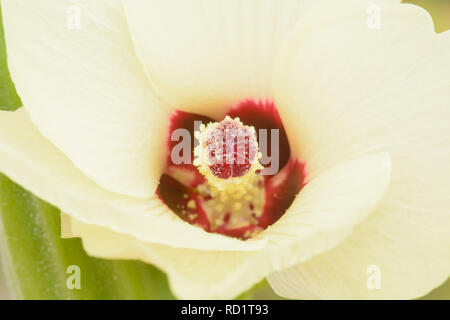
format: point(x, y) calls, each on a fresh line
point(439, 10)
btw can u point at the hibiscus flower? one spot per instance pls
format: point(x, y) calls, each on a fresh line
point(360, 113)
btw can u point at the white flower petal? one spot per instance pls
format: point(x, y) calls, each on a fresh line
point(203, 56)
point(86, 90)
point(328, 208)
point(357, 90)
point(322, 216)
point(66, 227)
point(192, 274)
point(32, 161)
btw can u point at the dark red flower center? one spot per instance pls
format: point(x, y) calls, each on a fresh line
point(259, 193)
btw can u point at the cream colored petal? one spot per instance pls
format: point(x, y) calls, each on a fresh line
point(203, 55)
point(66, 227)
point(324, 214)
point(192, 274)
point(86, 90)
point(327, 209)
point(32, 161)
point(358, 90)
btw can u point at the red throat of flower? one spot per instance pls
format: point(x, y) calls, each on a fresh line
point(226, 189)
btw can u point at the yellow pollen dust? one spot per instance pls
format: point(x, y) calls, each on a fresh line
point(214, 146)
point(236, 198)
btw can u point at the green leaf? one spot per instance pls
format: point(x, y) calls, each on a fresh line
point(36, 259)
point(9, 100)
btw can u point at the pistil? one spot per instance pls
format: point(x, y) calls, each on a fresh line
point(227, 155)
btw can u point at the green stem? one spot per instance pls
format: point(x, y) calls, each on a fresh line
point(9, 100)
point(36, 259)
